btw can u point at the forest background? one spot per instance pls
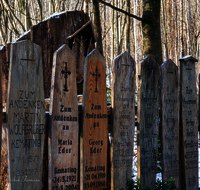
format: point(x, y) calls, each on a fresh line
point(160, 28)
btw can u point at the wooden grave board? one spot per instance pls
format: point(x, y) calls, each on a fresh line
point(94, 132)
point(148, 104)
point(1, 107)
point(64, 131)
point(188, 124)
point(169, 121)
point(25, 116)
point(123, 111)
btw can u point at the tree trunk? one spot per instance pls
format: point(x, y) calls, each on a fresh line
point(86, 6)
point(127, 41)
point(113, 34)
point(164, 26)
point(151, 30)
point(40, 7)
point(97, 25)
point(117, 28)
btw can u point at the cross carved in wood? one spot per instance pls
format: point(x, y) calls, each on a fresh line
point(97, 75)
point(66, 72)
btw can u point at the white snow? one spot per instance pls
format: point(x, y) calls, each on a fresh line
point(21, 36)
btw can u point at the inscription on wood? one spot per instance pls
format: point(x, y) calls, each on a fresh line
point(170, 121)
point(188, 124)
point(123, 109)
point(94, 133)
point(148, 101)
point(63, 164)
point(25, 116)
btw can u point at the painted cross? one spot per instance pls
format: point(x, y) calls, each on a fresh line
point(66, 72)
point(97, 75)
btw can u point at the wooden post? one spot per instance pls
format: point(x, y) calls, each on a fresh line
point(169, 121)
point(94, 134)
point(123, 111)
point(148, 104)
point(25, 116)
point(0, 110)
point(63, 141)
point(188, 124)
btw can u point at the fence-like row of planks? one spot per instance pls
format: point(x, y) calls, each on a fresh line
point(74, 148)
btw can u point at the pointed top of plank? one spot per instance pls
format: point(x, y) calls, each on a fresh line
point(64, 47)
point(168, 62)
point(148, 63)
point(128, 61)
point(95, 55)
point(148, 59)
point(188, 57)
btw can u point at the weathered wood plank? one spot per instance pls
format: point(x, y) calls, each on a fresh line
point(188, 124)
point(1, 110)
point(25, 116)
point(63, 145)
point(51, 34)
point(169, 121)
point(148, 104)
point(123, 111)
point(94, 135)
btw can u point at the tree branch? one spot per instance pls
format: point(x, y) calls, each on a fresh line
point(120, 10)
point(13, 14)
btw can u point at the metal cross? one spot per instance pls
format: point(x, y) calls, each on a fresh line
point(66, 72)
point(97, 75)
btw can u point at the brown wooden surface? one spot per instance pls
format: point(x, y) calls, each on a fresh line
point(123, 111)
point(51, 34)
point(25, 117)
point(5, 62)
point(169, 121)
point(94, 133)
point(63, 147)
point(188, 124)
point(1, 110)
point(148, 104)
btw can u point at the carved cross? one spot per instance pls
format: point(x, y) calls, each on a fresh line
point(97, 75)
point(25, 67)
point(188, 68)
point(66, 72)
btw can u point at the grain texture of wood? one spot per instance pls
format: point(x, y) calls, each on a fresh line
point(188, 124)
point(148, 105)
point(169, 121)
point(50, 35)
point(25, 117)
point(63, 124)
point(5, 62)
point(94, 134)
point(123, 112)
point(1, 112)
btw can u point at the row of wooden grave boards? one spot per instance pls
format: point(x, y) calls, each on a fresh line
point(26, 121)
